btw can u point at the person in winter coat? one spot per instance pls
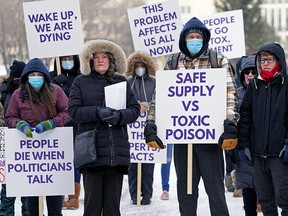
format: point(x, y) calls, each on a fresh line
point(140, 72)
point(103, 179)
point(263, 127)
point(70, 69)
point(208, 161)
point(10, 85)
point(41, 105)
point(244, 172)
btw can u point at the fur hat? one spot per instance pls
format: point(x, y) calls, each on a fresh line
point(143, 57)
point(101, 45)
point(16, 68)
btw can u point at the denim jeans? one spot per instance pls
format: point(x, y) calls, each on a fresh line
point(165, 168)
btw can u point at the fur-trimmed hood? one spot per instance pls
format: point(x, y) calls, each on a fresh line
point(142, 57)
point(101, 45)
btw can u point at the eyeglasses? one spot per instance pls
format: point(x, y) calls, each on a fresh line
point(247, 72)
point(269, 60)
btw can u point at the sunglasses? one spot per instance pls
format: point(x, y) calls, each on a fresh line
point(247, 72)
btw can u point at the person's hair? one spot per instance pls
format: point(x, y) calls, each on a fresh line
point(43, 96)
point(267, 53)
point(112, 65)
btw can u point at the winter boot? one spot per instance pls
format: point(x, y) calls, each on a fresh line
point(64, 203)
point(228, 183)
point(73, 201)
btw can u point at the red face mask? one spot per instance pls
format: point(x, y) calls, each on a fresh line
point(268, 75)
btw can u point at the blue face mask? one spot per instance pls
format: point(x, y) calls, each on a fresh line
point(36, 81)
point(194, 45)
point(67, 65)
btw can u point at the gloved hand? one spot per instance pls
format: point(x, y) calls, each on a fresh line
point(44, 126)
point(60, 79)
point(228, 140)
point(113, 119)
point(245, 155)
point(25, 128)
point(284, 152)
point(103, 112)
point(151, 138)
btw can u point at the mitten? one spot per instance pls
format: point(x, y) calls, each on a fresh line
point(113, 119)
point(151, 138)
point(103, 112)
point(284, 152)
point(228, 140)
point(44, 126)
point(25, 128)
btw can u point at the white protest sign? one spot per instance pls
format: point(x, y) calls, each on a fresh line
point(53, 28)
point(2, 155)
point(156, 28)
point(40, 166)
point(190, 105)
point(227, 33)
point(139, 150)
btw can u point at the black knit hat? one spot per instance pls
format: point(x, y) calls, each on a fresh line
point(16, 69)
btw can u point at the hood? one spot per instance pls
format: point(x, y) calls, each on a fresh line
point(75, 69)
point(277, 50)
point(140, 57)
point(101, 45)
point(194, 23)
point(247, 64)
point(35, 65)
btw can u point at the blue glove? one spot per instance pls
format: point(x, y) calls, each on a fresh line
point(25, 128)
point(44, 126)
point(113, 119)
point(284, 152)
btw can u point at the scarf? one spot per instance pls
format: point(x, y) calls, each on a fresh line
point(268, 75)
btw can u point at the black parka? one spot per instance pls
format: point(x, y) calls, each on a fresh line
point(264, 111)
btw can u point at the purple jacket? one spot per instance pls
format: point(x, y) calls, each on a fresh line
point(19, 109)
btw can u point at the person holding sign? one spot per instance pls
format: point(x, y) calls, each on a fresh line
point(208, 161)
point(69, 70)
point(103, 178)
point(141, 69)
point(263, 130)
point(38, 106)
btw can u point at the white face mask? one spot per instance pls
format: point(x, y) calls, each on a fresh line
point(140, 71)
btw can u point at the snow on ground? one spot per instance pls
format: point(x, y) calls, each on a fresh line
point(158, 207)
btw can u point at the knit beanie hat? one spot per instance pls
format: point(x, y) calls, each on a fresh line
point(196, 30)
point(16, 69)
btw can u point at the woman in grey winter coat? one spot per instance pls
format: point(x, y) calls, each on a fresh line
point(141, 71)
point(103, 179)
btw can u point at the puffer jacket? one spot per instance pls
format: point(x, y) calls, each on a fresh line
point(264, 111)
point(142, 87)
point(87, 94)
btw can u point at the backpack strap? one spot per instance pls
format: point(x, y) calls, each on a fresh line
point(175, 59)
point(213, 58)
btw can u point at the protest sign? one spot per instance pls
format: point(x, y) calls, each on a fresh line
point(40, 166)
point(190, 105)
point(156, 28)
point(140, 152)
point(227, 33)
point(53, 28)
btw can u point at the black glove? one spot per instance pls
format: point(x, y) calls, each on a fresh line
point(151, 138)
point(113, 119)
point(59, 79)
point(103, 112)
point(228, 140)
point(284, 152)
point(245, 155)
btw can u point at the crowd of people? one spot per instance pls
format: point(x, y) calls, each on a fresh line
point(254, 138)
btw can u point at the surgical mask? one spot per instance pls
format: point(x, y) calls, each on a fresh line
point(67, 65)
point(194, 45)
point(36, 81)
point(140, 71)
